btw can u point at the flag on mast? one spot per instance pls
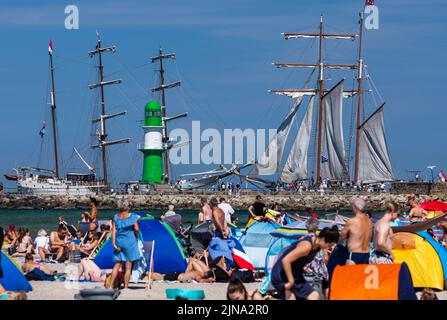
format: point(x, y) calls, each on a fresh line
point(42, 131)
point(50, 48)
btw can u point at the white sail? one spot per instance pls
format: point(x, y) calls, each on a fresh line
point(374, 160)
point(296, 165)
point(333, 164)
point(269, 161)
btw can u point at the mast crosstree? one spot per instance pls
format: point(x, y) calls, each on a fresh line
point(320, 90)
point(162, 87)
point(102, 134)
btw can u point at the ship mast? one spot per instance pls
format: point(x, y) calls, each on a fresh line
point(53, 111)
point(359, 101)
point(163, 86)
point(321, 65)
point(102, 135)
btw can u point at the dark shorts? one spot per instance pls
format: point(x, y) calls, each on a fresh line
point(218, 234)
point(359, 258)
point(173, 276)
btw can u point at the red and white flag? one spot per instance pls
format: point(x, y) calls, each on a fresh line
point(50, 48)
point(369, 3)
point(240, 257)
point(443, 176)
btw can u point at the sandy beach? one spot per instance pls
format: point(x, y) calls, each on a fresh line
point(45, 290)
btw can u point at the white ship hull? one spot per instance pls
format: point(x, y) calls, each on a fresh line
point(32, 186)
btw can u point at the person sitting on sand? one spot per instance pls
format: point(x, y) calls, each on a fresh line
point(287, 273)
point(41, 244)
point(237, 291)
point(169, 213)
point(23, 244)
point(358, 231)
point(90, 242)
point(218, 218)
point(383, 236)
point(417, 213)
point(59, 242)
point(125, 231)
point(11, 235)
point(30, 265)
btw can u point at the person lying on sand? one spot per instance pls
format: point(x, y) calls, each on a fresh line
point(30, 265)
point(88, 270)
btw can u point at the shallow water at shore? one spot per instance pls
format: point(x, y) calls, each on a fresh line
point(48, 219)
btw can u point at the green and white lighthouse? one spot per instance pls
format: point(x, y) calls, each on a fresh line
point(152, 147)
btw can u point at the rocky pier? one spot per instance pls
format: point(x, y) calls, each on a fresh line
point(191, 201)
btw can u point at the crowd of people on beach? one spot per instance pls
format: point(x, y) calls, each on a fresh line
point(302, 271)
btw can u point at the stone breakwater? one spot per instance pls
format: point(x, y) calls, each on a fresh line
point(192, 201)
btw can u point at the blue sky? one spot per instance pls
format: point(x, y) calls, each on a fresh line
point(224, 54)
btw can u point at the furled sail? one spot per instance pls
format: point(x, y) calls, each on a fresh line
point(269, 161)
point(296, 165)
point(333, 164)
point(374, 159)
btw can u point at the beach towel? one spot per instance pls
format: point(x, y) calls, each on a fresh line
point(221, 248)
point(139, 267)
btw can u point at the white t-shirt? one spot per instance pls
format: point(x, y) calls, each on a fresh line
point(227, 209)
point(41, 242)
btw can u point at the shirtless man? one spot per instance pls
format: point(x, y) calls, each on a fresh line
point(92, 217)
point(416, 213)
point(207, 213)
point(218, 218)
point(383, 236)
point(358, 232)
point(58, 242)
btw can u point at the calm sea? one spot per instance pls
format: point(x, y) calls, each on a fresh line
point(48, 219)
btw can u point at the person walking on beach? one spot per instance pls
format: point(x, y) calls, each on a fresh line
point(358, 231)
point(288, 272)
point(218, 218)
point(383, 236)
point(125, 233)
point(227, 209)
point(257, 209)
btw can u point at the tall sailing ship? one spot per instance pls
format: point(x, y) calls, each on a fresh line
point(320, 137)
point(43, 181)
point(332, 162)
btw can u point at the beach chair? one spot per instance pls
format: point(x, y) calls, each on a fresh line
point(149, 247)
point(104, 237)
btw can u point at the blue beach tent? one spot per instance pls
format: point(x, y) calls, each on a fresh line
point(168, 253)
point(256, 241)
point(13, 278)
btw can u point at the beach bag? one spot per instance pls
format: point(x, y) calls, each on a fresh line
point(245, 276)
point(75, 256)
